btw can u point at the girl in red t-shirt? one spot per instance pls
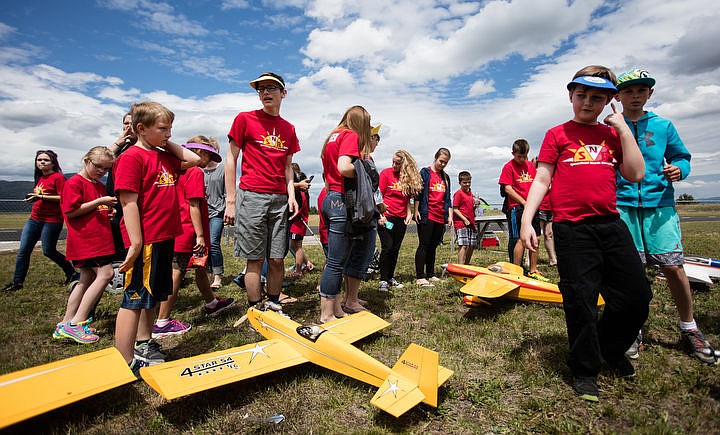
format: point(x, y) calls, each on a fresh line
point(433, 209)
point(87, 209)
point(45, 221)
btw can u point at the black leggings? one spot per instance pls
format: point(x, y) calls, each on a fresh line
point(390, 242)
point(429, 234)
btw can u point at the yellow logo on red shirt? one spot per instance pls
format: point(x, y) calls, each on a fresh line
point(273, 140)
point(39, 189)
point(165, 178)
point(102, 207)
point(396, 186)
point(525, 177)
point(591, 154)
point(438, 186)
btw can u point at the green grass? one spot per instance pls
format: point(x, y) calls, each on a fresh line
point(510, 374)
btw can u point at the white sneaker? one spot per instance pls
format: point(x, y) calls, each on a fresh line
point(384, 286)
point(270, 305)
point(394, 283)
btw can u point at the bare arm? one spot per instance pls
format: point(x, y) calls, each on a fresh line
point(633, 165)
point(345, 167)
point(230, 180)
point(188, 157)
point(131, 215)
point(87, 207)
point(539, 188)
point(196, 218)
point(293, 208)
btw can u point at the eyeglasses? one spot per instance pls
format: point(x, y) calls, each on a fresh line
point(100, 168)
point(271, 88)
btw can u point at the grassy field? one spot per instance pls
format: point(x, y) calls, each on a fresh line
point(509, 362)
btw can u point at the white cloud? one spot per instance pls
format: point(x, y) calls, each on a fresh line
point(234, 4)
point(356, 41)
point(481, 87)
point(6, 30)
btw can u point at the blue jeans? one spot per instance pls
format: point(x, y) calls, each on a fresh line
point(216, 256)
point(346, 256)
point(48, 233)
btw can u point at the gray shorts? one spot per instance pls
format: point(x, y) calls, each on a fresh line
point(261, 225)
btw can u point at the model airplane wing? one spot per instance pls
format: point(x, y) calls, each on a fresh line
point(698, 273)
point(189, 375)
point(488, 286)
point(30, 392)
point(352, 328)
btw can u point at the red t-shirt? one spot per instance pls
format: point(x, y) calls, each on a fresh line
point(151, 174)
point(436, 197)
point(520, 177)
point(88, 234)
point(297, 226)
point(341, 143)
point(48, 211)
point(322, 228)
point(393, 197)
point(464, 202)
point(191, 185)
point(265, 141)
point(585, 159)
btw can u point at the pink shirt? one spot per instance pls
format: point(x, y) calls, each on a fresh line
point(585, 159)
point(265, 141)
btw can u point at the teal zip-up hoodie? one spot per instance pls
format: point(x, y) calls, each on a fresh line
point(659, 143)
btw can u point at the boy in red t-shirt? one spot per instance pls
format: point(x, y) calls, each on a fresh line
point(515, 179)
point(145, 177)
point(194, 240)
point(594, 248)
point(464, 218)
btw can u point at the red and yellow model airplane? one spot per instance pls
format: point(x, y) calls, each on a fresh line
point(503, 280)
point(413, 379)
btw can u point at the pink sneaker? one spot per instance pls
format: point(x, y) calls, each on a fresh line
point(173, 327)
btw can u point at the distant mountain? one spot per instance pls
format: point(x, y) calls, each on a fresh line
point(15, 189)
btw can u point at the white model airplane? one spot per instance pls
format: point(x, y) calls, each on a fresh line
point(413, 379)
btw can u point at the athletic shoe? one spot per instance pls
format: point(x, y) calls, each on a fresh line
point(12, 287)
point(394, 283)
point(586, 388)
point(635, 348)
point(384, 286)
point(135, 365)
point(622, 368)
point(538, 277)
point(86, 324)
point(77, 333)
point(149, 353)
point(434, 279)
point(222, 305)
point(272, 305)
point(173, 327)
point(696, 345)
point(57, 335)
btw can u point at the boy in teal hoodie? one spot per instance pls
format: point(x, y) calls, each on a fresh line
point(648, 206)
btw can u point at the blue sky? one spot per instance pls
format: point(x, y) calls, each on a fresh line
point(470, 76)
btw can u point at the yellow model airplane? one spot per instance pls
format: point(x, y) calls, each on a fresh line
point(30, 392)
point(503, 280)
point(413, 379)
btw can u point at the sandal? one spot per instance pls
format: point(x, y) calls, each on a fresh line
point(287, 299)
